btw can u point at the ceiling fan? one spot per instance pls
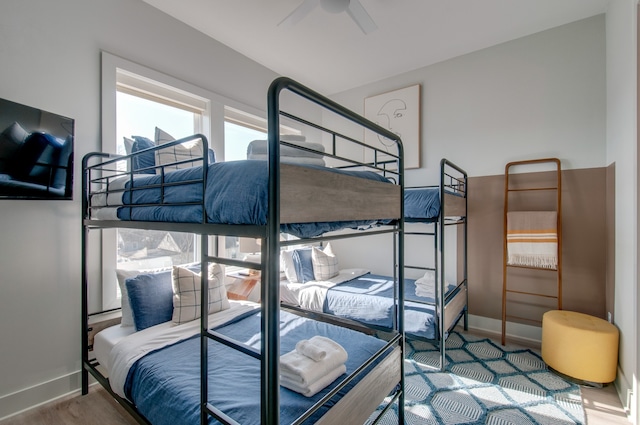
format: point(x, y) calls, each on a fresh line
point(353, 8)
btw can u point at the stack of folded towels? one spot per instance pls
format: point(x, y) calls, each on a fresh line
point(426, 285)
point(312, 365)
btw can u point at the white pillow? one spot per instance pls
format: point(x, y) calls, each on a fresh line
point(289, 269)
point(180, 152)
point(325, 263)
point(186, 293)
point(123, 275)
point(128, 145)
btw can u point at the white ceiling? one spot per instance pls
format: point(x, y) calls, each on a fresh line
point(329, 53)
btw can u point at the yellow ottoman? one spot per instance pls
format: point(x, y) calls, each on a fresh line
point(580, 346)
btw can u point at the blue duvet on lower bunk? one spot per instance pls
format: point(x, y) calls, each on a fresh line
point(236, 193)
point(370, 299)
point(165, 384)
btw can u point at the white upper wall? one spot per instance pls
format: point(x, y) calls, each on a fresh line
point(51, 60)
point(622, 141)
point(537, 96)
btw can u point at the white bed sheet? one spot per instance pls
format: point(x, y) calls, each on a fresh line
point(106, 339)
point(124, 347)
point(311, 295)
point(108, 197)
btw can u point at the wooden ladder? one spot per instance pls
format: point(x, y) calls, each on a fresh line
point(511, 189)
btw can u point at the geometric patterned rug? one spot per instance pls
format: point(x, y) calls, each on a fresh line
point(484, 383)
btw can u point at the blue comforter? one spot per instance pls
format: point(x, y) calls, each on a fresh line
point(236, 193)
point(422, 205)
point(165, 384)
point(369, 299)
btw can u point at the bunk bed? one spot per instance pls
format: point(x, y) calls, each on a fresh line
point(432, 304)
point(244, 337)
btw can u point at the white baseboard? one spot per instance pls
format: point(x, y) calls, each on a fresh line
point(531, 335)
point(28, 398)
point(626, 395)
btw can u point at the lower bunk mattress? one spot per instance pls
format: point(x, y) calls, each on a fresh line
point(369, 299)
point(163, 381)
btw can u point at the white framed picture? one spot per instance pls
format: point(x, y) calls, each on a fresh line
point(399, 112)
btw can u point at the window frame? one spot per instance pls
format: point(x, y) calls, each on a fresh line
point(213, 119)
point(217, 110)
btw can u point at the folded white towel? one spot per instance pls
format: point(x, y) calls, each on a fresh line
point(426, 285)
point(303, 369)
point(311, 350)
point(428, 280)
point(315, 387)
point(422, 291)
point(318, 347)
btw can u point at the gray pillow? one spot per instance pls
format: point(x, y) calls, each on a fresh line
point(10, 140)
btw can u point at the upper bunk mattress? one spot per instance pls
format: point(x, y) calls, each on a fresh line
point(422, 205)
point(236, 192)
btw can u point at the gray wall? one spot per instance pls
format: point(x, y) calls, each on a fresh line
point(569, 92)
point(51, 60)
point(543, 95)
point(539, 96)
point(622, 149)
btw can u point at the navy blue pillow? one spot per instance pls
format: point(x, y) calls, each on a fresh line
point(151, 299)
point(37, 147)
point(303, 264)
point(56, 153)
point(145, 160)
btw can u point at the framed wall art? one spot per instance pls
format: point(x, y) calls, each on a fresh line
point(399, 112)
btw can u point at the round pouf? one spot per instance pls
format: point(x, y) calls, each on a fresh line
point(580, 346)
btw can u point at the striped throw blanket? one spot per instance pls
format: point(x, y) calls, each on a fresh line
point(532, 239)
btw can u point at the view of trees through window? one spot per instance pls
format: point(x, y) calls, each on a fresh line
point(140, 116)
point(140, 249)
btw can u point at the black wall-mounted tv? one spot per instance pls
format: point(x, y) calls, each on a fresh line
point(36, 153)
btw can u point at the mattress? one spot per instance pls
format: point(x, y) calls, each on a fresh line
point(164, 382)
point(422, 204)
point(106, 339)
point(369, 299)
point(235, 193)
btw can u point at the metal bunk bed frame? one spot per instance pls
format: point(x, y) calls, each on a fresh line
point(270, 306)
point(459, 185)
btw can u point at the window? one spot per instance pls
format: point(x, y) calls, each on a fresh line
point(240, 129)
point(139, 113)
point(136, 100)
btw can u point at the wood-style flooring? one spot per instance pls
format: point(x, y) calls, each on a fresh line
point(602, 407)
point(98, 408)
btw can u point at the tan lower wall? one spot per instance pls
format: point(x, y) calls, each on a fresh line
point(611, 240)
point(584, 247)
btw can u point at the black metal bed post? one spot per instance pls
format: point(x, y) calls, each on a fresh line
point(441, 254)
point(204, 325)
point(204, 297)
point(84, 291)
point(401, 399)
point(465, 253)
point(269, 371)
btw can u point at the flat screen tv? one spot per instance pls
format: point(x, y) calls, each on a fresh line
point(36, 153)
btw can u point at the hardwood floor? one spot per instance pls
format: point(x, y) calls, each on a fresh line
point(96, 408)
point(602, 407)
